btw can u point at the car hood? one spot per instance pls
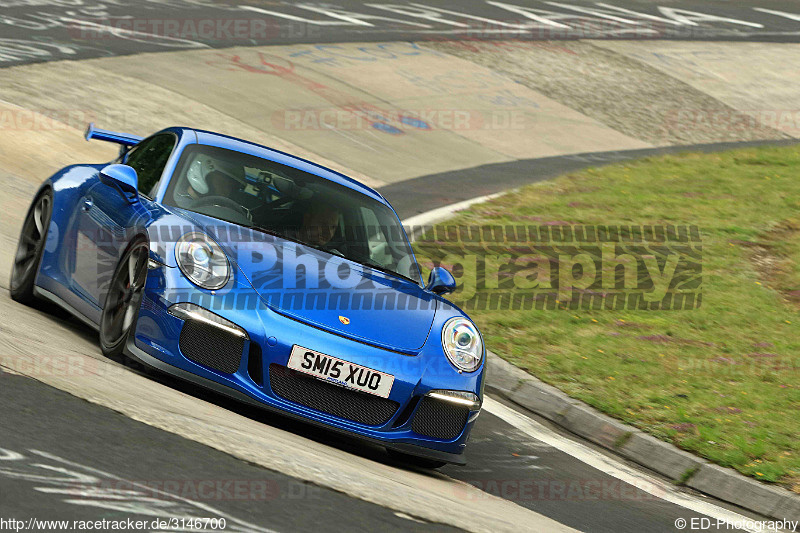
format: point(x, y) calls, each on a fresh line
point(327, 291)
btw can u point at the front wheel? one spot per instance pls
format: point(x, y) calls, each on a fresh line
point(30, 248)
point(123, 298)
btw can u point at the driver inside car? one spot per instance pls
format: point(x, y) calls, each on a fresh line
point(206, 178)
point(319, 224)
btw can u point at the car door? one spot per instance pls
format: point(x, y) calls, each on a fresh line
point(107, 217)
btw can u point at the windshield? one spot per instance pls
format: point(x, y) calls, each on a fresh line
point(292, 204)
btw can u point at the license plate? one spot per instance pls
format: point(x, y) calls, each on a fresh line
point(340, 372)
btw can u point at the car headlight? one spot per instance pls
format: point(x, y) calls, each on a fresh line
point(462, 344)
point(202, 261)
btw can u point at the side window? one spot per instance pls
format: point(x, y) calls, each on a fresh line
point(149, 158)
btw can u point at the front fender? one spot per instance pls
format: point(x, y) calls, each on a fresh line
point(164, 230)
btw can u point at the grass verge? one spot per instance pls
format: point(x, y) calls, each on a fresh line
point(720, 380)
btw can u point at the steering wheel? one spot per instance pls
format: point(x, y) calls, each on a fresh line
point(222, 201)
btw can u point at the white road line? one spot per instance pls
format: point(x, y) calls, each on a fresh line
point(414, 225)
point(607, 465)
point(199, 505)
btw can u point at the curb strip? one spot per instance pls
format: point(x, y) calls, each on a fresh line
point(525, 390)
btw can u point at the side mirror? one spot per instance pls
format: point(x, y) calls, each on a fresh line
point(441, 281)
point(123, 177)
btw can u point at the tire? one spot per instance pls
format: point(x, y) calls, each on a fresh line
point(30, 248)
point(413, 460)
point(123, 299)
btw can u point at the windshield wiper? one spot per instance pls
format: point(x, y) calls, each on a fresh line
point(385, 270)
point(267, 231)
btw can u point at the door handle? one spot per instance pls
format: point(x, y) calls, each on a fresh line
point(87, 204)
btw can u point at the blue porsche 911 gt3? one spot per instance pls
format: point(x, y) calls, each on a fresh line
point(262, 276)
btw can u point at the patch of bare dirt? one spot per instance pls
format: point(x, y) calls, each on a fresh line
point(774, 268)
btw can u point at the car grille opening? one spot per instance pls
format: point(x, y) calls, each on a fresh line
point(356, 406)
point(211, 346)
point(405, 416)
point(439, 419)
point(255, 368)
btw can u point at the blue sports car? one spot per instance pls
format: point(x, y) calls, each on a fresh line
point(264, 277)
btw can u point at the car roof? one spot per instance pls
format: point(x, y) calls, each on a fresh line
point(219, 140)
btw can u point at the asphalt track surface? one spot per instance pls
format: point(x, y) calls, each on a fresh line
point(54, 448)
point(45, 30)
point(183, 479)
point(57, 453)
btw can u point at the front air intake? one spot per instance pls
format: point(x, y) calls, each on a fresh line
point(439, 419)
point(349, 404)
point(211, 346)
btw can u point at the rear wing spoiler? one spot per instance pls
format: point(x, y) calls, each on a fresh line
point(125, 139)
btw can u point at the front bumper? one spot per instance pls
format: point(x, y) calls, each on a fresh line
point(270, 337)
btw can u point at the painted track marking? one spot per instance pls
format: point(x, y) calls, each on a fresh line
point(607, 465)
point(193, 503)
